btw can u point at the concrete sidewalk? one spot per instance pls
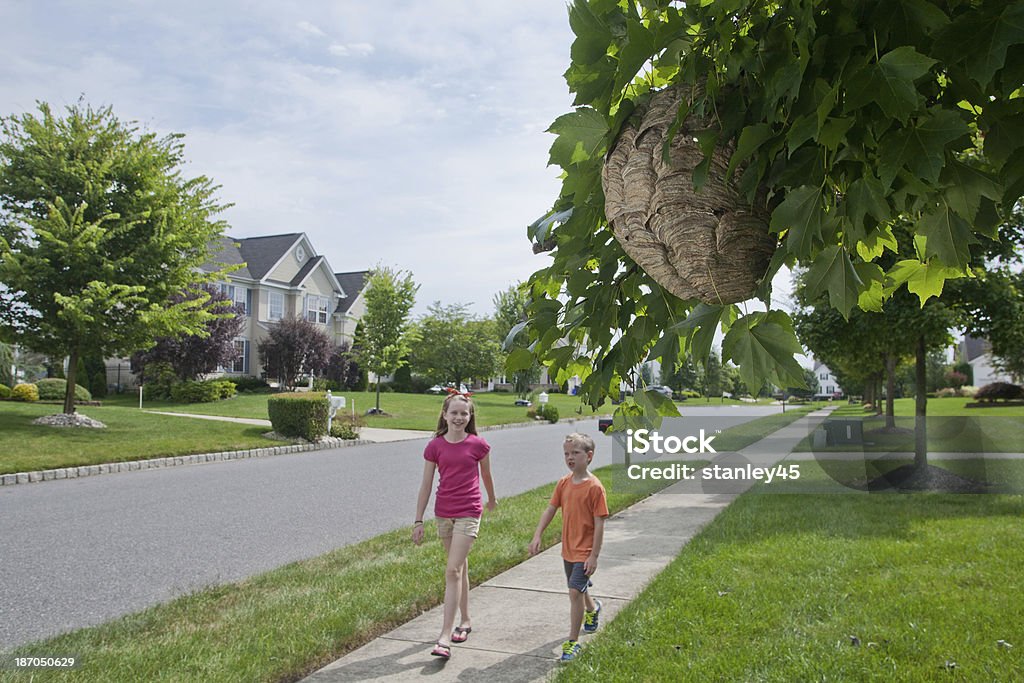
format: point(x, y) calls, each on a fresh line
point(520, 617)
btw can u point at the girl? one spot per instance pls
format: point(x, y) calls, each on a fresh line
point(462, 459)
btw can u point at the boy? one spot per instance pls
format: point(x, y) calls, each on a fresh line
point(584, 508)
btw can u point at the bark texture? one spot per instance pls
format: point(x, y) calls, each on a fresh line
point(709, 245)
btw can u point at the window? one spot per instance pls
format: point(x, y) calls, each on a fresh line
point(240, 295)
point(239, 365)
point(316, 308)
point(275, 306)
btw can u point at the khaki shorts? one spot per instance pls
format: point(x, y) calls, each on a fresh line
point(463, 526)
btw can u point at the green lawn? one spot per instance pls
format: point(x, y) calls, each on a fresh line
point(130, 435)
point(404, 411)
point(952, 428)
point(778, 588)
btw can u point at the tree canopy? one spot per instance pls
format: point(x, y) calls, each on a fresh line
point(453, 346)
point(99, 229)
point(835, 119)
point(383, 340)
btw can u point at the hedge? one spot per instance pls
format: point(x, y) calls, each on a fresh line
point(5, 391)
point(202, 392)
point(53, 389)
point(999, 391)
point(301, 414)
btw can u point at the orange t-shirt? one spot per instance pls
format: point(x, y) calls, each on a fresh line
point(580, 503)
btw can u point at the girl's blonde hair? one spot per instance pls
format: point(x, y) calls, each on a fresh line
point(442, 425)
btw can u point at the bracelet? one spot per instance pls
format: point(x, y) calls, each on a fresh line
point(418, 521)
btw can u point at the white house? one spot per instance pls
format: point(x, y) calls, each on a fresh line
point(978, 354)
point(828, 386)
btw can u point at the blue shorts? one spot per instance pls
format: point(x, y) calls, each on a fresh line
point(576, 577)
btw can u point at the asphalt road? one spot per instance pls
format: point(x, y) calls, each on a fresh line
point(80, 552)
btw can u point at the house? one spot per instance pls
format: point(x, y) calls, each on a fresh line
point(978, 354)
point(828, 386)
point(276, 276)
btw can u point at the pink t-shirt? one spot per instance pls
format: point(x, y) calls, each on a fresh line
point(458, 492)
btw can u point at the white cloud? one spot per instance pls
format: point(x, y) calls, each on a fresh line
point(351, 50)
point(309, 28)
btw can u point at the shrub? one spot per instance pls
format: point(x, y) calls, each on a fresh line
point(98, 384)
point(25, 392)
point(158, 380)
point(250, 385)
point(947, 392)
point(548, 412)
point(299, 414)
point(968, 390)
point(690, 393)
point(531, 412)
point(53, 389)
point(5, 391)
point(346, 426)
point(997, 391)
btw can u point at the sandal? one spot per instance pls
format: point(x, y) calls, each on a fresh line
point(442, 651)
point(460, 635)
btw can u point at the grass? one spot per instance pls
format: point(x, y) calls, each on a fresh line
point(404, 411)
point(284, 624)
point(130, 435)
point(777, 587)
point(952, 428)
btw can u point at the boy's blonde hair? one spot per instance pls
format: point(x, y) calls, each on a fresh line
point(581, 440)
point(442, 424)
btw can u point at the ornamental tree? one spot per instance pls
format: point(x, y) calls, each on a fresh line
point(775, 133)
point(293, 347)
point(384, 342)
point(99, 230)
point(193, 355)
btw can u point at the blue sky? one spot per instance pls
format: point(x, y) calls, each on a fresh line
point(407, 133)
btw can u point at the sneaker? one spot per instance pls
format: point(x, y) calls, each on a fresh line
point(570, 649)
point(590, 622)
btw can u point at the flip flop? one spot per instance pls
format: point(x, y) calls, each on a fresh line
point(460, 635)
point(442, 651)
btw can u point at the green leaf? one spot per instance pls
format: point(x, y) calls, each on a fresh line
point(871, 297)
point(750, 140)
point(701, 324)
point(966, 186)
point(874, 244)
point(518, 359)
point(890, 83)
point(865, 197)
point(801, 214)
point(638, 50)
point(920, 148)
point(834, 132)
point(764, 346)
point(655, 403)
point(980, 39)
point(925, 279)
point(949, 237)
point(593, 37)
point(581, 136)
point(833, 271)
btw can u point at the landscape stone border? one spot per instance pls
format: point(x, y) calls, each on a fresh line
point(177, 460)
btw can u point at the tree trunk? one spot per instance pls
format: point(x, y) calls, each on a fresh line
point(378, 394)
point(921, 406)
point(869, 392)
point(69, 394)
point(890, 391)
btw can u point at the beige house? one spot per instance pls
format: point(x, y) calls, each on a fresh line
point(278, 276)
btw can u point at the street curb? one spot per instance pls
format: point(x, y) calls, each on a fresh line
point(171, 461)
point(196, 459)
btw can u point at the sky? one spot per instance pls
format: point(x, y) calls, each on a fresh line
point(407, 134)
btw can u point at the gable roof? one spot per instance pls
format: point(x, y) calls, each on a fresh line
point(352, 284)
point(225, 251)
point(263, 253)
point(973, 348)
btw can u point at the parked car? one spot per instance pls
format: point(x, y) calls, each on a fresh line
point(603, 423)
point(661, 389)
point(523, 402)
point(438, 389)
